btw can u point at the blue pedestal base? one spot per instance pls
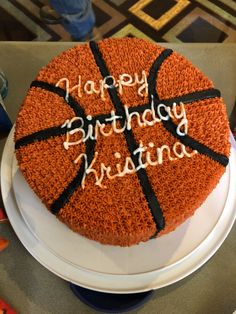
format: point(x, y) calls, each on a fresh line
point(109, 302)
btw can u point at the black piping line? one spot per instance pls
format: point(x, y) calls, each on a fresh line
point(148, 191)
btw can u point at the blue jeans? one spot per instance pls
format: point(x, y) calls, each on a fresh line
point(77, 16)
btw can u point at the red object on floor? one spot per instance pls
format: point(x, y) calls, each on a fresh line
point(3, 244)
point(3, 216)
point(6, 308)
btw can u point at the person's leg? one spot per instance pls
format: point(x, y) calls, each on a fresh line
point(77, 16)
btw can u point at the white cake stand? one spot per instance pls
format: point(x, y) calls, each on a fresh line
point(151, 265)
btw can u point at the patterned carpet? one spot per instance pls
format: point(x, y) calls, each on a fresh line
point(157, 20)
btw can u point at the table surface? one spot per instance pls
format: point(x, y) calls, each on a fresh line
point(30, 288)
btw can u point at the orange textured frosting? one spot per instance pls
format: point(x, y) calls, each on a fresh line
point(119, 212)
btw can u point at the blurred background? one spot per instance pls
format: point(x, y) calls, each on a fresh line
point(157, 20)
point(174, 21)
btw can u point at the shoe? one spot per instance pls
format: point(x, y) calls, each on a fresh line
point(49, 16)
point(94, 35)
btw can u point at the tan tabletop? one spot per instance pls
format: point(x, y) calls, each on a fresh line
point(31, 288)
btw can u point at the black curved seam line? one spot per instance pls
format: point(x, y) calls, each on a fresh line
point(195, 145)
point(193, 97)
point(40, 136)
point(151, 198)
point(188, 98)
point(153, 70)
point(46, 134)
point(56, 131)
point(62, 93)
point(171, 127)
point(65, 196)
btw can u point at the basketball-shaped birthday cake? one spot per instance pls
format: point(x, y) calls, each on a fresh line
point(122, 140)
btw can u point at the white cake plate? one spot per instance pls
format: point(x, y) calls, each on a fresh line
point(116, 275)
point(153, 255)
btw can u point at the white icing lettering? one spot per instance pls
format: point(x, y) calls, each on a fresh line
point(129, 118)
point(159, 111)
point(140, 151)
point(93, 129)
point(129, 166)
point(89, 128)
point(67, 86)
point(144, 83)
point(89, 87)
point(113, 120)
